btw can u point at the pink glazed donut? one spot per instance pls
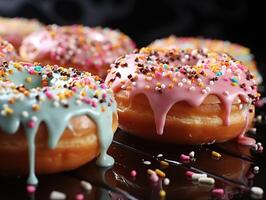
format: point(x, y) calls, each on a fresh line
point(183, 96)
point(85, 48)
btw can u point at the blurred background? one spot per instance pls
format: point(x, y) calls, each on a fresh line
point(240, 21)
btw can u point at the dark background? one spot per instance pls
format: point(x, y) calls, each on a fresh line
point(240, 21)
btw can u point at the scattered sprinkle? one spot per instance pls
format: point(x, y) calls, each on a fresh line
point(133, 173)
point(150, 172)
point(162, 193)
point(218, 192)
point(154, 177)
point(257, 191)
point(166, 181)
point(191, 154)
point(216, 154)
point(189, 173)
point(197, 176)
point(146, 162)
point(80, 197)
point(31, 188)
point(160, 173)
point(206, 180)
point(56, 195)
point(163, 163)
point(256, 169)
point(259, 118)
point(184, 157)
point(86, 185)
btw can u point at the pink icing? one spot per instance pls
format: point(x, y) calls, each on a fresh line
point(168, 77)
point(83, 47)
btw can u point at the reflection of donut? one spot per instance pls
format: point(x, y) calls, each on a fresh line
point(237, 51)
point(206, 96)
point(15, 29)
point(88, 49)
point(59, 109)
point(7, 52)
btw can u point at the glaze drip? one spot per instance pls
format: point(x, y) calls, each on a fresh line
point(31, 94)
point(170, 76)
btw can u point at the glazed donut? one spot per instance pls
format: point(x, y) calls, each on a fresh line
point(15, 29)
point(88, 49)
point(7, 52)
point(62, 117)
point(183, 96)
point(237, 51)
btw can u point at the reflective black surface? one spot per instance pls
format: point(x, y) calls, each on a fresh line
point(233, 172)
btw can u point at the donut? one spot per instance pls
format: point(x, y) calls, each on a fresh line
point(53, 119)
point(15, 29)
point(237, 51)
point(88, 49)
point(7, 52)
point(183, 96)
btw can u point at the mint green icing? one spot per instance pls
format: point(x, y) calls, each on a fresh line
point(97, 103)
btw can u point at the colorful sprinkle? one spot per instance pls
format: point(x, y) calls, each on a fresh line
point(218, 192)
point(206, 180)
point(184, 157)
point(56, 195)
point(80, 197)
point(197, 176)
point(216, 154)
point(31, 188)
point(160, 173)
point(162, 193)
point(166, 181)
point(133, 173)
point(154, 177)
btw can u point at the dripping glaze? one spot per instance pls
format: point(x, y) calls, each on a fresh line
point(32, 94)
point(166, 77)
